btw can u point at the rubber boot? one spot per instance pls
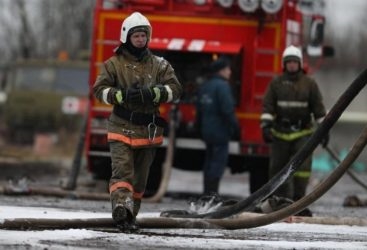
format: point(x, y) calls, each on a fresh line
point(122, 210)
point(211, 185)
point(137, 203)
point(133, 226)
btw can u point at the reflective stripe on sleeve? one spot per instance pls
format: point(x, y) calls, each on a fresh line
point(169, 92)
point(267, 116)
point(105, 94)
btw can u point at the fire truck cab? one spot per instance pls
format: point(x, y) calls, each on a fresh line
point(190, 34)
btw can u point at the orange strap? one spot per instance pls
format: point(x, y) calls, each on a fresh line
point(134, 141)
point(121, 184)
point(138, 195)
point(128, 186)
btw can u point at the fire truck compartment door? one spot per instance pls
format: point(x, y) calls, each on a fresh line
point(195, 45)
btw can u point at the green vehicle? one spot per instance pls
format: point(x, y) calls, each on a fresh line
point(43, 97)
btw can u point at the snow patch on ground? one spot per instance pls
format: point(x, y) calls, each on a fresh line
point(180, 239)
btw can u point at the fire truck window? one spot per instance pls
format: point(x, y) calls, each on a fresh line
point(192, 70)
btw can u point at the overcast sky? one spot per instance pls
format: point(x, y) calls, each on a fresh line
point(344, 13)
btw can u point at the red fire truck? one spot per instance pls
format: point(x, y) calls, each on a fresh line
point(190, 34)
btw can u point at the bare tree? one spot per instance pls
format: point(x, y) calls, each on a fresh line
point(43, 28)
point(66, 25)
point(15, 30)
point(26, 38)
point(347, 38)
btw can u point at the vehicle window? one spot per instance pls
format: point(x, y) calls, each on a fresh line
point(34, 78)
point(73, 81)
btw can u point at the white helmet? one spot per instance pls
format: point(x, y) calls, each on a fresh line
point(136, 19)
point(292, 53)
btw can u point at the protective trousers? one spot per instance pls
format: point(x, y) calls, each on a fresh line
point(281, 153)
point(130, 170)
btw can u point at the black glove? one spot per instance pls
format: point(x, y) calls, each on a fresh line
point(116, 96)
point(325, 141)
point(138, 96)
point(267, 135)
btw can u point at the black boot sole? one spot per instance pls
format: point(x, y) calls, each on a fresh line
point(119, 214)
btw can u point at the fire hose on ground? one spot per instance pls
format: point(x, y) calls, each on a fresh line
point(295, 163)
point(237, 222)
point(221, 218)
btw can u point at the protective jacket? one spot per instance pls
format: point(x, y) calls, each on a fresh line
point(136, 125)
point(216, 111)
point(290, 104)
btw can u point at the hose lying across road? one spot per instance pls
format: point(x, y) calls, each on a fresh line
point(256, 221)
point(236, 222)
point(295, 163)
point(212, 220)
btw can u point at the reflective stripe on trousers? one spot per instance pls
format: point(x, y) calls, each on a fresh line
point(291, 136)
point(135, 142)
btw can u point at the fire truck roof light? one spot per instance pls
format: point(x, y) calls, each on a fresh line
point(271, 6)
point(225, 3)
point(248, 5)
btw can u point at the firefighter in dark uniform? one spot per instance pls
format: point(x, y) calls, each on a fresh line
point(135, 82)
point(217, 122)
point(291, 106)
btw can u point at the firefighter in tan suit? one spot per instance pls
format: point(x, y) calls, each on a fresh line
point(135, 82)
point(291, 104)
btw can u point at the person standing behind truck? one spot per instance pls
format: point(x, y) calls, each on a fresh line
point(216, 121)
point(135, 82)
point(291, 101)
